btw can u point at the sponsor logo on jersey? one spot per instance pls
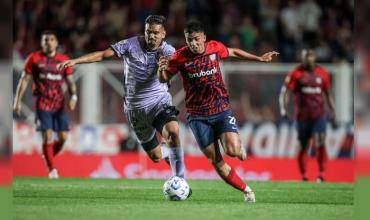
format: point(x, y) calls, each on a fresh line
point(311, 90)
point(50, 76)
point(212, 57)
point(203, 73)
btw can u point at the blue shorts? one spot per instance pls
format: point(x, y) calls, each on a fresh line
point(307, 128)
point(207, 129)
point(57, 121)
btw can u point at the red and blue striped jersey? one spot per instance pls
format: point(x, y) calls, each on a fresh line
point(205, 92)
point(48, 80)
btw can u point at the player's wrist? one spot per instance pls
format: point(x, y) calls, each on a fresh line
point(74, 97)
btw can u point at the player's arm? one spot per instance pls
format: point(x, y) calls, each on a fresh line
point(162, 73)
point(72, 88)
point(21, 88)
point(329, 99)
point(243, 55)
point(88, 58)
point(284, 101)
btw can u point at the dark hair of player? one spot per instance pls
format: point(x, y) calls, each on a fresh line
point(155, 19)
point(194, 26)
point(48, 32)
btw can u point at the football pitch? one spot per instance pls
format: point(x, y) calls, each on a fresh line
point(67, 198)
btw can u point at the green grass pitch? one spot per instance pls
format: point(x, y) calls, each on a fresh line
point(67, 198)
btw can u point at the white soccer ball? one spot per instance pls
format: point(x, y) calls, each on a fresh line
point(176, 189)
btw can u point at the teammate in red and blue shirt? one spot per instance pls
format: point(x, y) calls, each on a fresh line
point(310, 85)
point(41, 66)
point(207, 100)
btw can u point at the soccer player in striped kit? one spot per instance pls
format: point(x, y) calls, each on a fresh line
point(207, 101)
point(41, 66)
point(310, 85)
point(147, 102)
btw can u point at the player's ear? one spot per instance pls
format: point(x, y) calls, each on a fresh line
point(205, 38)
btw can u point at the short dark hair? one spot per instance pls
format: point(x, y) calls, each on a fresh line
point(155, 19)
point(194, 26)
point(49, 32)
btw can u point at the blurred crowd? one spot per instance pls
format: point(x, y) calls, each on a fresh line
point(254, 25)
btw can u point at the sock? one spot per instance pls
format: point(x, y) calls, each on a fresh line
point(48, 151)
point(165, 152)
point(57, 147)
point(321, 159)
point(177, 161)
point(235, 181)
point(302, 162)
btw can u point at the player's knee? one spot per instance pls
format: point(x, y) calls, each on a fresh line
point(155, 157)
point(233, 148)
point(62, 139)
point(172, 134)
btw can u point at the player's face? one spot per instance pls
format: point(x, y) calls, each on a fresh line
point(49, 43)
point(195, 41)
point(308, 57)
point(154, 34)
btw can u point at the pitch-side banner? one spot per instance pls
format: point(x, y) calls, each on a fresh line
point(134, 165)
point(264, 140)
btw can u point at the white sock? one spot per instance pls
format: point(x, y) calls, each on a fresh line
point(177, 161)
point(164, 150)
point(247, 189)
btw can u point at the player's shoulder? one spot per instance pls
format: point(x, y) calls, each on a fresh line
point(296, 70)
point(322, 70)
point(214, 44)
point(181, 53)
point(61, 56)
point(34, 56)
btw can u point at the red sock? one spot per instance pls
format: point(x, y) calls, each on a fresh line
point(302, 162)
point(57, 147)
point(48, 151)
point(321, 158)
point(235, 181)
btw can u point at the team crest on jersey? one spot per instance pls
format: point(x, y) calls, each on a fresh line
point(122, 41)
point(212, 57)
point(318, 80)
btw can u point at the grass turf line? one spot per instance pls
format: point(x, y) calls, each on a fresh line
point(67, 198)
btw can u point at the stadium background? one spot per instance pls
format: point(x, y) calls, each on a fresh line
point(100, 143)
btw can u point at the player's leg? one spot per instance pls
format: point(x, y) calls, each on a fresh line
point(44, 123)
point(226, 172)
point(227, 130)
point(146, 135)
point(319, 139)
point(304, 135)
point(59, 143)
point(61, 125)
point(166, 124)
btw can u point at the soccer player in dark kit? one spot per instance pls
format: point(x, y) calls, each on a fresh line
point(207, 101)
point(41, 66)
point(310, 85)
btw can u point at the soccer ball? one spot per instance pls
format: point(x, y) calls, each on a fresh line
point(176, 189)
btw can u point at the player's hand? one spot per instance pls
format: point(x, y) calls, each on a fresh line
point(333, 119)
point(17, 108)
point(163, 62)
point(72, 104)
point(267, 57)
point(65, 64)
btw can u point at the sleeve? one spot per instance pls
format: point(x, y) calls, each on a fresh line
point(222, 50)
point(291, 80)
point(69, 70)
point(326, 80)
point(28, 66)
point(168, 50)
point(173, 66)
point(120, 48)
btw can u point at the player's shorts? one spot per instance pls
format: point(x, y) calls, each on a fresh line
point(207, 129)
point(307, 128)
point(146, 121)
point(57, 121)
